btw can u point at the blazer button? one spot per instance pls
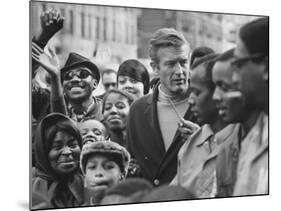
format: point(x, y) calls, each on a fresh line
point(156, 182)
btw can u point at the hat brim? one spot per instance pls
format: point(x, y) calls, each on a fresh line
point(94, 69)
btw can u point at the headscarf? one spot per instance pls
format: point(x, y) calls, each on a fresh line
point(46, 181)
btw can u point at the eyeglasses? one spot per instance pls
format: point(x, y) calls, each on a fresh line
point(239, 62)
point(82, 74)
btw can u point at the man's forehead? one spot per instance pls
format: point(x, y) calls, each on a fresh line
point(199, 72)
point(223, 67)
point(174, 52)
point(91, 123)
point(109, 75)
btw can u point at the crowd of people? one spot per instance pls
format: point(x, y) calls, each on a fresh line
point(197, 130)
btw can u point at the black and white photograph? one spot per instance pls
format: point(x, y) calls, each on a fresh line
point(137, 105)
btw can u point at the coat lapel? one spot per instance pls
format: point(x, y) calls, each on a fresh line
point(151, 118)
point(172, 151)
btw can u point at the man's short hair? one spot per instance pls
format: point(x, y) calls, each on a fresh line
point(225, 56)
point(165, 37)
point(255, 36)
point(208, 62)
point(199, 52)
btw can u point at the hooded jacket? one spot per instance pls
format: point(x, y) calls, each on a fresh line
point(60, 191)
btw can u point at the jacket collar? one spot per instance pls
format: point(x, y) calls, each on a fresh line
point(205, 132)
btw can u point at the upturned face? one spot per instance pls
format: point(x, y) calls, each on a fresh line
point(202, 105)
point(92, 130)
point(78, 84)
point(229, 101)
point(101, 172)
point(172, 68)
point(64, 154)
point(131, 86)
point(116, 109)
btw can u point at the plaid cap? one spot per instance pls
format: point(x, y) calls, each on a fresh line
point(105, 148)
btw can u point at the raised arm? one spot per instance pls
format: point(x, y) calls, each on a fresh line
point(51, 22)
point(51, 64)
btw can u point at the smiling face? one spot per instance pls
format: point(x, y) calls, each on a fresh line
point(202, 105)
point(131, 86)
point(92, 130)
point(101, 172)
point(64, 153)
point(78, 84)
point(116, 109)
point(172, 68)
point(231, 107)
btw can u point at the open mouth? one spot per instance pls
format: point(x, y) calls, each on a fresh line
point(115, 118)
point(131, 91)
point(76, 88)
point(222, 110)
point(102, 184)
point(89, 140)
point(66, 161)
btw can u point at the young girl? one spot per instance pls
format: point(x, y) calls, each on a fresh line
point(133, 77)
point(116, 104)
point(104, 164)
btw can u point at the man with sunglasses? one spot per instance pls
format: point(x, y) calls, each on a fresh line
point(80, 78)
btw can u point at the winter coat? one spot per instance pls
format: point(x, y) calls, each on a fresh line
point(60, 191)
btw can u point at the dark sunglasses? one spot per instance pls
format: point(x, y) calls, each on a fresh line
point(239, 62)
point(82, 74)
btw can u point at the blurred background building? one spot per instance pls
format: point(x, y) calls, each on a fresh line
point(109, 35)
point(217, 31)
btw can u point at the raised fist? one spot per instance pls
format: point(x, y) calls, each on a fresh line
point(51, 21)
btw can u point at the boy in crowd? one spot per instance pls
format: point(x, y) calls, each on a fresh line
point(103, 164)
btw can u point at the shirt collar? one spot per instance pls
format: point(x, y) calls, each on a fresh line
point(205, 132)
point(89, 109)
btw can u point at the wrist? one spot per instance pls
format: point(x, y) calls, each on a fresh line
point(43, 38)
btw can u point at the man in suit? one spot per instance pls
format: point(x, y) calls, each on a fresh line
point(155, 120)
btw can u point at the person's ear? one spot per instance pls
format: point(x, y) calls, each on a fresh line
point(94, 83)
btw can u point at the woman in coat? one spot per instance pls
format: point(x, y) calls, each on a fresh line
point(57, 151)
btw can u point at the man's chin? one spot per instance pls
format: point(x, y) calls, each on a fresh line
point(180, 90)
point(77, 97)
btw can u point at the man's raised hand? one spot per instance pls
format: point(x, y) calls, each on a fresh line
point(49, 62)
point(51, 22)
